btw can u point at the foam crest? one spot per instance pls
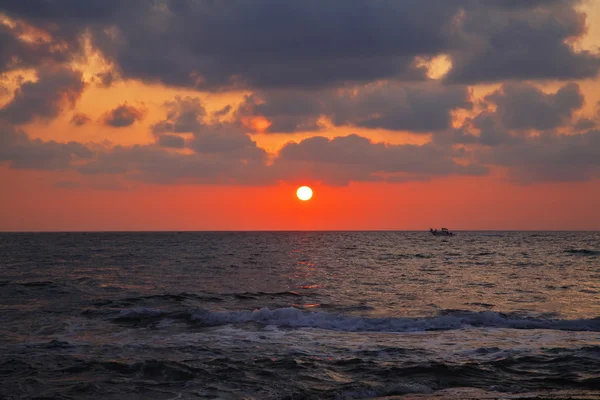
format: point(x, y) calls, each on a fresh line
point(140, 313)
point(295, 318)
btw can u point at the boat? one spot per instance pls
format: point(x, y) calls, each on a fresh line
point(442, 232)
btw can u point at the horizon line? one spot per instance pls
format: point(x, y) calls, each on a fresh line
point(287, 230)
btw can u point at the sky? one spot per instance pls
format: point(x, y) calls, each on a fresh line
point(202, 115)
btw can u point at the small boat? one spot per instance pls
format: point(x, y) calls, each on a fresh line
point(443, 232)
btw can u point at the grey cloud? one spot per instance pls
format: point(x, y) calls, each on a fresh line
point(153, 164)
point(422, 107)
point(529, 42)
point(106, 79)
point(419, 108)
point(16, 53)
point(188, 115)
point(55, 89)
point(228, 159)
point(184, 115)
point(278, 44)
point(585, 124)
point(270, 44)
point(174, 141)
point(523, 106)
point(223, 138)
point(287, 111)
point(263, 44)
point(23, 153)
point(80, 119)
point(123, 116)
point(348, 158)
point(549, 158)
point(491, 132)
point(223, 111)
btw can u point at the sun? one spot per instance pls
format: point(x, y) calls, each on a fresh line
point(304, 193)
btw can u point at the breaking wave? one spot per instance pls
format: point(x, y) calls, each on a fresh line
point(295, 318)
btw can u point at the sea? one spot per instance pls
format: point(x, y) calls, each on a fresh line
point(299, 315)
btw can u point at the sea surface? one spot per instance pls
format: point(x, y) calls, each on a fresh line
point(299, 315)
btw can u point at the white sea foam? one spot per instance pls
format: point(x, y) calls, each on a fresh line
point(293, 317)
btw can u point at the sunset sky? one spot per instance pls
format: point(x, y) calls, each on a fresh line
point(207, 115)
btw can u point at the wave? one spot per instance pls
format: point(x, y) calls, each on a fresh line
point(184, 296)
point(149, 369)
point(583, 252)
point(256, 295)
point(139, 313)
point(291, 317)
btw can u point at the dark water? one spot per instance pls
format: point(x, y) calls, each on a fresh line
point(297, 315)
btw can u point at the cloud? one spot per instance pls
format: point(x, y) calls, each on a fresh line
point(269, 44)
point(549, 157)
point(56, 88)
point(527, 41)
point(420, 107)
point(523, 106)
point(223, 111)
point(106, 79)
point(184, 115)
point(80, 119)
point(311, 44)
point(585, 124)
point(356, 158)
point(174, 141)
point(152, 164)
point(16, 53)
point(24, 153)
point(286, 111)
point(123, 116)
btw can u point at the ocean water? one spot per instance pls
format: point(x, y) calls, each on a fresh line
point(299, 315)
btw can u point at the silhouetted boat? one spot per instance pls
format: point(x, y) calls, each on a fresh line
point(443, 232)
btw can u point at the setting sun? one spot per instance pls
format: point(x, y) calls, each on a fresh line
point(304, 193)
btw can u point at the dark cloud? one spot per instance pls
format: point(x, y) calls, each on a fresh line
point(269, 44)
point(155, 165)
point(223, 111)
point(286, 111)
point(492, 133)
point(188, 115)
point(549, 157)
point(523, 106)
point(351, 158)
point(21, 152)
point(106, 79)
point(225, 139)
point(418, 108)
point(525, 42)
point(278, 44)
point(584, 124)
point(16, 53)
point(80, 119)
point(184, 115)
point(123, 116)
point(55, 89)
point(174, 141)
point(422, 107)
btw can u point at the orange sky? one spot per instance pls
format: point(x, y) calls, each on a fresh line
point(65, 200)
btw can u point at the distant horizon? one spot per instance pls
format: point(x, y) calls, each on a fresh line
point(304, 230)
